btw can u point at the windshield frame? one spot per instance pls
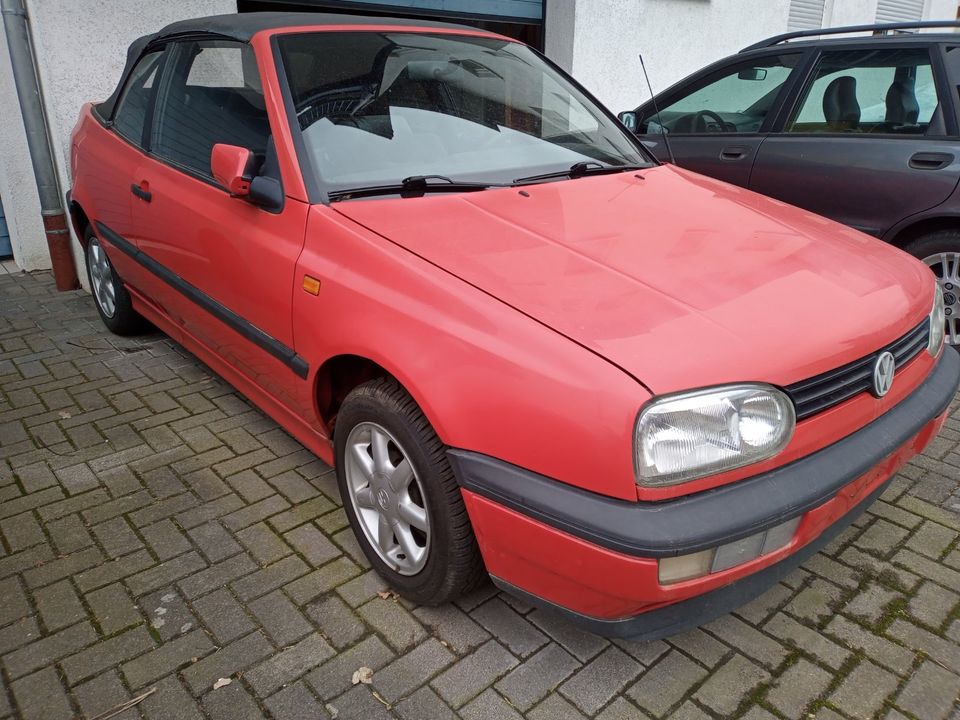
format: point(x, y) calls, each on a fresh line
point(318, 191)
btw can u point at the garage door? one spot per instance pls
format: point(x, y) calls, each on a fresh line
point(525, 10)
point(899, 10)
point(513, 9)
point(6, 249)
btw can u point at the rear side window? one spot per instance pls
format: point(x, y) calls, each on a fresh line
point(212, 94)
point(132, 107)
point(870, 91)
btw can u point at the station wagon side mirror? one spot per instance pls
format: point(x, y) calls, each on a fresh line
point(233, 168)
point(629, 120)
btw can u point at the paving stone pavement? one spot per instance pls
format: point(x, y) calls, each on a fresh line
point(159, 533)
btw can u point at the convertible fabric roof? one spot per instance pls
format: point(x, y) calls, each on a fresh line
point(242, 27)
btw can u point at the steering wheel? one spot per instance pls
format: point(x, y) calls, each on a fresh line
point(700, 123)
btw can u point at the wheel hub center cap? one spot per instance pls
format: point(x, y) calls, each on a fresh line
point(383, 499)
point(949, 299)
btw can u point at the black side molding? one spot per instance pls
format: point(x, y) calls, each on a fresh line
point(700, 609)
point(287, 355)
point(713, 517)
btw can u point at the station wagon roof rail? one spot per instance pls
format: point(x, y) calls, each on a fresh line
point(879, 29)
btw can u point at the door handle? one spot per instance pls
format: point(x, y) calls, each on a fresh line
point(930, 160)
point(735, 152)
point(141, 192)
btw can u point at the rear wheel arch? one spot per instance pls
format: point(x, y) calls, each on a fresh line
point(80, 222)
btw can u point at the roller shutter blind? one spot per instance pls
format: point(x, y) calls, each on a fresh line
point(805, 14)
point(899, 10)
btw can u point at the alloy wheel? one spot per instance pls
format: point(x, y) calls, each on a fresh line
point(101, 277)
point(946, 266)
point(387, 497)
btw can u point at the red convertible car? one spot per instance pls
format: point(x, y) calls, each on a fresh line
point(621, 389)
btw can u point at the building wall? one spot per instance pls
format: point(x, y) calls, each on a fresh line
point(80, 50)
point(598, 40)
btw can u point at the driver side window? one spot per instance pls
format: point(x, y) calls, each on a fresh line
point(735, 100)
point(211, 93)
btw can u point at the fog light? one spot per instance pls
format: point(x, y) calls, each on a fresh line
point(685, 567)
point(694, 565)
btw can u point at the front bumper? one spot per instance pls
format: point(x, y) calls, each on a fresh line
point(596, 557)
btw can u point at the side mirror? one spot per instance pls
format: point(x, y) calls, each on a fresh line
point(233, 168)
point(629, 120)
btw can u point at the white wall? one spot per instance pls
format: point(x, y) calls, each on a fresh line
point(940, 10)
point(80, 48)
point(598, 40)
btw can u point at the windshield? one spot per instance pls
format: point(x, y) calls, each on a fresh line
point(377, 107)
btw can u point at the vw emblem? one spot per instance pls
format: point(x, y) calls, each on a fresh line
point(883, 372)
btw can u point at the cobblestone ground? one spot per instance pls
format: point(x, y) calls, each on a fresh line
point(158, 533)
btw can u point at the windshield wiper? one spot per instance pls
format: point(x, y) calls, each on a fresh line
point(414, 186)
point(580, 169)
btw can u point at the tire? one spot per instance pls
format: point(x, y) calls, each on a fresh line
point(941, 251)
point(381, 414)
point(109, 295)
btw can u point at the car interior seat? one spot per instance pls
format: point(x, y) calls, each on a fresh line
point(840, 106)
point(902, 105)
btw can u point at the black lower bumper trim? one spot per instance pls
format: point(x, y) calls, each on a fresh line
point(699, 610)
point(713, 517)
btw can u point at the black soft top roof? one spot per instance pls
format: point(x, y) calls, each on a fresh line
point(242, 27)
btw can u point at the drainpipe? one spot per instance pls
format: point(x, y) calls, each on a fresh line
point(38, 140)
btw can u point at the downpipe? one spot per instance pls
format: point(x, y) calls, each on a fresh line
point(24, 67)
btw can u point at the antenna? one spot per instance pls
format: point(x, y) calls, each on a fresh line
point(663, 130)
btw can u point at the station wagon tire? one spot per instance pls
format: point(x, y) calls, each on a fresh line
point(941, 251)
point(401, 496)
point(109, 295)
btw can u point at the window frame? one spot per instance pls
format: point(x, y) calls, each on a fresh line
point(938, 72)
point(721, 69)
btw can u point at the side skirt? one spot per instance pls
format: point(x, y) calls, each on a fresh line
point(315, 441)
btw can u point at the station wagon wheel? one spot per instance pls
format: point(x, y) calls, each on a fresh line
point(388, 498)
point(401, 496)
point(110, 297)
point(940, 250)
point(946, 266)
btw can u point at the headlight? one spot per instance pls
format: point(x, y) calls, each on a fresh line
point(938, 321)
point(681, 437)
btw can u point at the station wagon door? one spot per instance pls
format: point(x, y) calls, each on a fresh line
point(717, 121)
point(867, 142)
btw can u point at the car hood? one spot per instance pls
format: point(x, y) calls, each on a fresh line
point(680, 280)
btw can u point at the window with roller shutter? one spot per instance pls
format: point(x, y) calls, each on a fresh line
point(899, 10)
point(805, 14)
